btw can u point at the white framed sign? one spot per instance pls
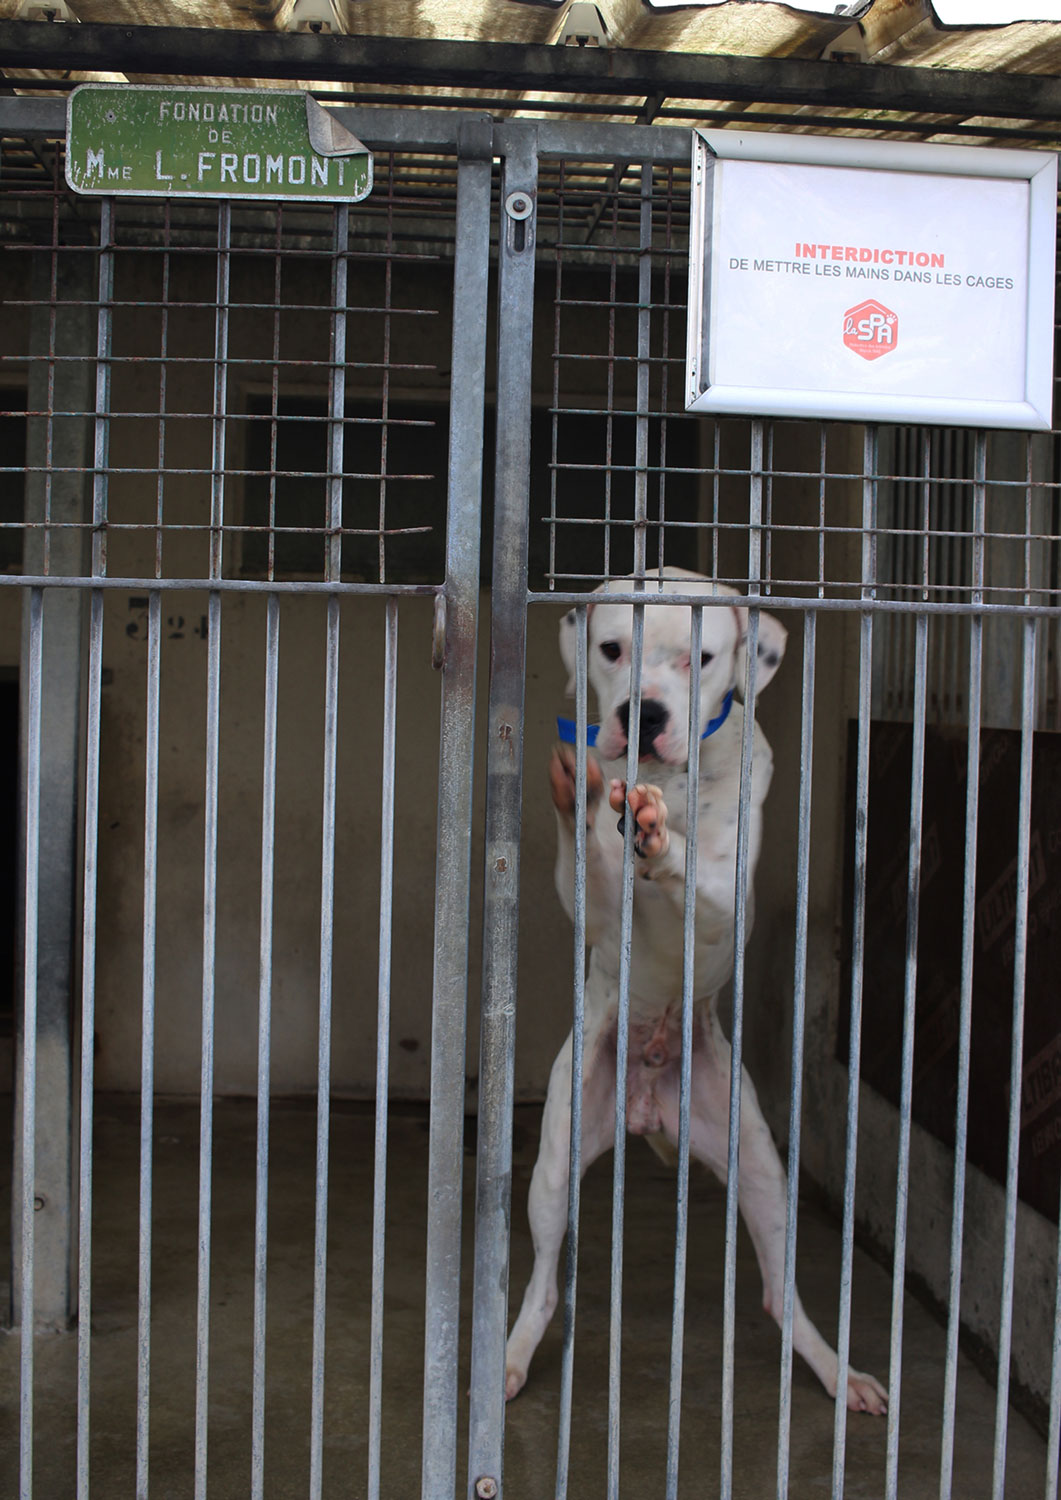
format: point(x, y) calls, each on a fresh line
point(871, 280)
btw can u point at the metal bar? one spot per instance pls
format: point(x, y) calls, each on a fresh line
point(213, 734)
point(1020, 941)
point(1053, 1432)
point(324, 1046)
point(337, 395)
point(931, 608)
point(456, 612)
point(28, 1101)
point(147, 1041)
point(906, 1087)
point(865, 685)
point(644, 352)
point(386, 922)
point(799, 1017)
point(504, 775)
point(961, 1110)
point(101, 433)
point(220, 407)
point(265, 1001)
point(163, 387)
point(193, 52)
point(689, 996)
point(61, 368)
point(578, 1024)
point(629, 830)
point(206, 1080)
point(385, 380)
point(91, 851)
point(184, 585)
point(622, 1043)
point(88, 1037)
point(81, 581)
point(740, 937)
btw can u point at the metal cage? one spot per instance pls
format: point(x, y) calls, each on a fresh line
point(253, 442)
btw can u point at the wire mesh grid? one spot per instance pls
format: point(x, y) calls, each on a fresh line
point(253, 394)
point(694, 474)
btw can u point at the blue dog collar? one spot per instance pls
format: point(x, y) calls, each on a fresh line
point(567, 731)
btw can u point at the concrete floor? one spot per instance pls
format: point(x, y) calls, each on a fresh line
point(531, 1429)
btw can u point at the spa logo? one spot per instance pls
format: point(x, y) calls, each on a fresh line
point(871, 329)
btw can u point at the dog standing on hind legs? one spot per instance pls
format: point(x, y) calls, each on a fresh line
point(658, 806)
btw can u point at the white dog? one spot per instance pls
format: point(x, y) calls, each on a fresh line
point(659, 810)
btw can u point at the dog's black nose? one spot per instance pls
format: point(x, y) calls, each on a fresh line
point(654, 717)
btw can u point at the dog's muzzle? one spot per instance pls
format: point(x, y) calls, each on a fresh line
point(653, 722)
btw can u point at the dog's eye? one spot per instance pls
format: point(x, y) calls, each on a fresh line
point(611, 650)
point(706, 658)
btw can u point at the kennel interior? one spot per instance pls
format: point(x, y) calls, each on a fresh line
point(269, 839)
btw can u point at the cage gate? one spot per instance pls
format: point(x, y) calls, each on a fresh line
point(234, 422)
point(916, 564)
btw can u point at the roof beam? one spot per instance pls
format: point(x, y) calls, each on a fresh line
point(202, 52)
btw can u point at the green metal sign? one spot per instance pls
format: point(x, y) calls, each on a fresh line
point(162, 142)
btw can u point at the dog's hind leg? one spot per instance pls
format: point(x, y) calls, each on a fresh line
point(547, 1201)
point(762, 1198)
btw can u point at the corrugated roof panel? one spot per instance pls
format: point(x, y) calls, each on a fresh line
point(994, 36)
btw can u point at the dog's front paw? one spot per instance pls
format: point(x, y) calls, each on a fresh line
point(866, 1394)
point(649, 811)
point(515, 1380)
point(562, 783)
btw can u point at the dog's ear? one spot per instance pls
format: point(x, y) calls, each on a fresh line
point(772, 639)
point(567, 649)
point(568, 629)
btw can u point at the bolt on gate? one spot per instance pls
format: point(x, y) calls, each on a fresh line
point(255, 441)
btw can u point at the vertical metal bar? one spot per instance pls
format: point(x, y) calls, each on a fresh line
point(681, 1233)
point(213, 714)
point(504, 775)
point(147, 1040)
point(206, 1072)
point(29, 1038)
point(337, 395)
point(622, 1040)
point(644, 351)
point(906, 1088)
point(740, 937)
point(91, 847)
point(333, 572)
point(324, 1044)
point(865, 683)
point(1053, 1431)
point(554, 425)
point(385, 393)
point(265, 1001)
point(59, 447)
point(578, 1021)
point(1020, 955)
point(632, 757)
point(220, 403)
point(458, 610)
point(379, 1181)
point(799, 1016)
point(101, 434)
point(961, 1110)
point(88, 1029)
point(163, 383)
